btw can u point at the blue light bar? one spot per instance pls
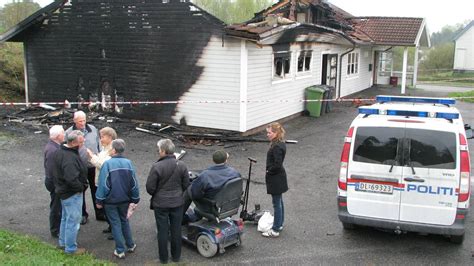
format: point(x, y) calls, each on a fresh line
point(368, 111)
point(447, 115)
point(374, 111)
point(407, 113)
point(446, 101)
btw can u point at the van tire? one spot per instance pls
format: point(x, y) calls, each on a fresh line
point(457, 239)
point(348, 226)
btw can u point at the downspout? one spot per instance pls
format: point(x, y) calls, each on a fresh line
point(340, 64)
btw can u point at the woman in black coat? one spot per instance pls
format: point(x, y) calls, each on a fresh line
point(275, 176)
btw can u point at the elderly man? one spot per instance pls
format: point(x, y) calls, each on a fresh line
point(70, 180)
point(56, 138)
point(92, 142)
point(209, 181)
point(118, 187)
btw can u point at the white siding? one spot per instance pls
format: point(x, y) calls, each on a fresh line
point(361, 81)
point(220, 80)
point(464, 53)
point(262, 86)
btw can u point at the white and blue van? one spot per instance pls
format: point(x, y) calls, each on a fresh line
point(405, 167)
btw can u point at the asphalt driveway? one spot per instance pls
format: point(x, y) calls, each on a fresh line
point(312, 234)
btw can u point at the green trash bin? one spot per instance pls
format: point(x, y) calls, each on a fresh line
point(314, 93)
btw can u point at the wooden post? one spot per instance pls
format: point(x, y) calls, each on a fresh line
point(404, 72)
point(25, 70)
point(415, 67)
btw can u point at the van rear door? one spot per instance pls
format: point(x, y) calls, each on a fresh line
point(430, 176)
point(374, 175)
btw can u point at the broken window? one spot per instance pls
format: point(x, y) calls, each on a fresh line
point(353, 63)
point(281, 65)
point(304, 61)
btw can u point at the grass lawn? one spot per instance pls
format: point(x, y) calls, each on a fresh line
point(448, 78)
point(16, 249)
point(464, 94)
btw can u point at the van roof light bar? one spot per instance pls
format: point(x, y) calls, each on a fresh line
point(375, 111)
point(409, 99)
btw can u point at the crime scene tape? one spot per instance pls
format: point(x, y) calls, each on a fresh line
point(132, 103)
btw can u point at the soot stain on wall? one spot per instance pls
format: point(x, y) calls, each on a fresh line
point(142, 50)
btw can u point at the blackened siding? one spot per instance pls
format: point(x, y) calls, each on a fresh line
point(145, 50)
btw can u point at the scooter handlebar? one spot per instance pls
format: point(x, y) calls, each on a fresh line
point(252, 160)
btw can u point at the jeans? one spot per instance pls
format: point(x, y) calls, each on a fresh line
point(70, 222)
point(168, 222)
point(54, 214)
point(117, 216)
point(279, 210)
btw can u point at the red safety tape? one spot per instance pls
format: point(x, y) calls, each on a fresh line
point(66, 103)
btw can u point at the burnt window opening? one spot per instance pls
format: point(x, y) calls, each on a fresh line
point(282, 65)
point(304, 61)
point(353, 63)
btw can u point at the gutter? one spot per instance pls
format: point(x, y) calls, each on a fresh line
point(340, 63)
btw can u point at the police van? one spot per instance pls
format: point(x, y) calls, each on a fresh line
point(405, 167)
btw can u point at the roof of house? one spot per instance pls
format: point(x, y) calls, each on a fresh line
point(461, 33)
point(16, 32)
point(396, 31)
point(391, 31)
point(34, 18)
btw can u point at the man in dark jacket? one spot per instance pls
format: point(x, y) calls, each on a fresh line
point(70, 180)
point(210, 181)
point(118, 187)
point(56, 138)
point(166, 182)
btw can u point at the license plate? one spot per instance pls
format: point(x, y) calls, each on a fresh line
point(374, 188)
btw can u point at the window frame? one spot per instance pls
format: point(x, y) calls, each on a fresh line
point(284, 75)
point(353, 63)
point(304, 69)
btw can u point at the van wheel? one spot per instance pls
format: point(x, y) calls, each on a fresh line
point(457, 239)
point(348, 226)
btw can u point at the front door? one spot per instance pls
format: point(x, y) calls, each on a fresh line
point(329, 70)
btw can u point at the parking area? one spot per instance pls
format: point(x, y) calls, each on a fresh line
point(312, 233)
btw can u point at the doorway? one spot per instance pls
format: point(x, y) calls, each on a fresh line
point(329, 70)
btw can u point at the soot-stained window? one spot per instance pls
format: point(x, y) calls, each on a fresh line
point(304, 61)
point(281, 65)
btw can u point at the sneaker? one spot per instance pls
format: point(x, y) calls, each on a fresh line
point(107, 230)
point(79, 251)
point(84, 220)
point(132, 249)
point(119, 255)
point(270, 233)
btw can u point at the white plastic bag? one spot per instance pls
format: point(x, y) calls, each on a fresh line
point(266, 222)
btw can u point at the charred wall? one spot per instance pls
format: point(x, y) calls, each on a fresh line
point(143, 50)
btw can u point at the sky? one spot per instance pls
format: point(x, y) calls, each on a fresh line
point(437, 12)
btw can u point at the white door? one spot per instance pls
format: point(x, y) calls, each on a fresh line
point(430, 176)
point(374, 182)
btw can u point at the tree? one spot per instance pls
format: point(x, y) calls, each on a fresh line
point(233, 11)
point(16, 11)
point(440, 57)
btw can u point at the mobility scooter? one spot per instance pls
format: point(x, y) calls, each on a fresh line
point(217, 231)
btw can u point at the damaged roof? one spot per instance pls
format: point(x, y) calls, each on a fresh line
point(328, 19)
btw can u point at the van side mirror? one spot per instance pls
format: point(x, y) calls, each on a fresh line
point(469, 131)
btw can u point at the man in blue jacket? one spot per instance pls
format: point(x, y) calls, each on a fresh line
point(118, 187)
point(209, 181)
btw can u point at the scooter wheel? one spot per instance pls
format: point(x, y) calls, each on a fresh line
point(206, 247)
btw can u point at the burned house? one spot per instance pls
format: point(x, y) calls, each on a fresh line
point(235, 77)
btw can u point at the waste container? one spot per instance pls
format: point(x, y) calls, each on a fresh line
point(394, 81)
point(324, 104)
point(328, 95)
point(314, 93)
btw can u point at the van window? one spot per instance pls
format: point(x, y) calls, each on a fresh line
point(377, 145)
point(432, 149)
